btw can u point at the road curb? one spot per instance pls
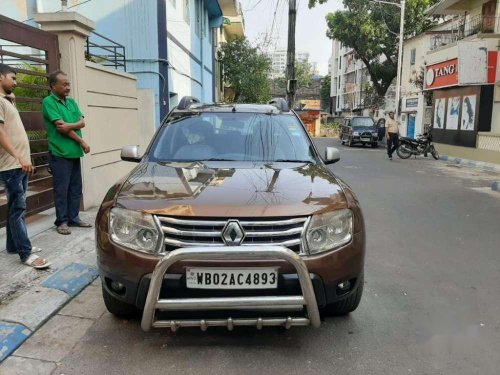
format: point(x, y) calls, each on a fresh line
point(71, 279)
point(490, 167)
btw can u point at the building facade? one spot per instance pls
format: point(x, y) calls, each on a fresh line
point(233, 27)
point(461, 73)
point(416, 104)
point(349, 80)
point(169, 44)
point(278, 61)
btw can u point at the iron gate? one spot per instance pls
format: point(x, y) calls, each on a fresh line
point(34, 54)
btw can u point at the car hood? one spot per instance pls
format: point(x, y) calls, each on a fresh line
point(232, 189)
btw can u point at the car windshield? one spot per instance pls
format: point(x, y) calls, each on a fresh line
point(362, 122)
point(233, 137)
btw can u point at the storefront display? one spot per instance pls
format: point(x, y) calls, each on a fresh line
point(468, 112)
point(453, 113)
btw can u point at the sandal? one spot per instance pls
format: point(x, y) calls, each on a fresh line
point(63, 229)
point(37, 262)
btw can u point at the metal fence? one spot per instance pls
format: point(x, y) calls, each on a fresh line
point(33, 53)
point(464, 28)
point(104, 51)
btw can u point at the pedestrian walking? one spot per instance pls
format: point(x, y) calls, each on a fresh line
point(64, 121)
point(391, 134)
point(15, 165)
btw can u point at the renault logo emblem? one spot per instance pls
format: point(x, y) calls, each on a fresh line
point(233, 233)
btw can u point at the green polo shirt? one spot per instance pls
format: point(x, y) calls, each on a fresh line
point(53, 109)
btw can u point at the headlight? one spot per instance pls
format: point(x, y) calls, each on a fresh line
point(134, 230)
point(329, 231)
point(374, 134)
point(355, 134)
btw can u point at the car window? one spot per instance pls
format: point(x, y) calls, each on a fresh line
point(233, 136)
point(362, 122)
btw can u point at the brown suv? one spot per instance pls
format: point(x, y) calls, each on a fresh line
point(230, 218)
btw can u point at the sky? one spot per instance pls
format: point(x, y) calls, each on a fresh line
point(310, 30)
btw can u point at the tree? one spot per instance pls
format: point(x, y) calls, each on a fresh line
point(371, 29)
point(303, 73)
point(325, 92)
point(246, 70)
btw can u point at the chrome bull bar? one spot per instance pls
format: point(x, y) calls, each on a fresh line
point(307, 299)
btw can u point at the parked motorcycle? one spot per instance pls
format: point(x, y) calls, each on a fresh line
point(421, 145)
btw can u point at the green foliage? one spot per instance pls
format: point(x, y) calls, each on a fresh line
point(23, 92)
point(245, 69)
point(325, 91)
point(372, 29)
point(303, 73)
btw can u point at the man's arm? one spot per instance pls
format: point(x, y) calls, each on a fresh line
point(66, 127)
point(7, 145)
point(72, 134)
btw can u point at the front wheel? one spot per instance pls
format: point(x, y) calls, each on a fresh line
point(374, 145)
point(404, 151)
point(119, 308)
point(435, 153)
point(347, 305)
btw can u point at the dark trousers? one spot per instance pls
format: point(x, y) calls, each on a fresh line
point(16, 183)
point(67, 178)
point(392, 143)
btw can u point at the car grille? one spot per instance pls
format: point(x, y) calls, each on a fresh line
point(366, 134)
point(208, 232)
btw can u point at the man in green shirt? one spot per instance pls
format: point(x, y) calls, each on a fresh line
point(64, 121)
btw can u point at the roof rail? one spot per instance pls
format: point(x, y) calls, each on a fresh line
point(187, 101)
point(280, 103)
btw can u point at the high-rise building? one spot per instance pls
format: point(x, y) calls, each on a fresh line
point(349, 78)
point(278, 61)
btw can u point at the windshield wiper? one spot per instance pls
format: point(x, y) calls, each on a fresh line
point(292, 161)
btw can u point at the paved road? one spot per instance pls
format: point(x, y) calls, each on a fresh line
point(431, 302)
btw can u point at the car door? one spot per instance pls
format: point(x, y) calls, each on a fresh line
point(347, 128)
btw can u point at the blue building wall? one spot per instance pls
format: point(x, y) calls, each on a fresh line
point(137, 25)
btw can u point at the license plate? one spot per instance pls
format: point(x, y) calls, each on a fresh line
point(366, 139)
point(232, 278)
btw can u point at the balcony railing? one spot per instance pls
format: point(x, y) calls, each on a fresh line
point(105, 51)
point(464, 29)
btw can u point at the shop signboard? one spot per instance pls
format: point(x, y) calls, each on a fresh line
point(411, 103)
point(444, 74)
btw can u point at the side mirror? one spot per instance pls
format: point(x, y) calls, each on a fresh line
point(332, 155)
point(131, 153)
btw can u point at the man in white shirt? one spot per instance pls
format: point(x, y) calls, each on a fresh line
point(391, 134)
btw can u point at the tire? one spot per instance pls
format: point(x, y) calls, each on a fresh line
point(364, 144)
point(346, 305)
point(117, 307)
point(435, 153)
point(374, 145)
point(349, 142)
point(342, 140)
point(403, 152)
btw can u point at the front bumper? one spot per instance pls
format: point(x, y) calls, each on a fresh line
point(306, 298)
point(367, 139)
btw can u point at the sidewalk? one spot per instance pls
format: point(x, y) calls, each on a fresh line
point(28, 297)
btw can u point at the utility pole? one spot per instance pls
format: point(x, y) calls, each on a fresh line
point(291, 85)
point(400, 56)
